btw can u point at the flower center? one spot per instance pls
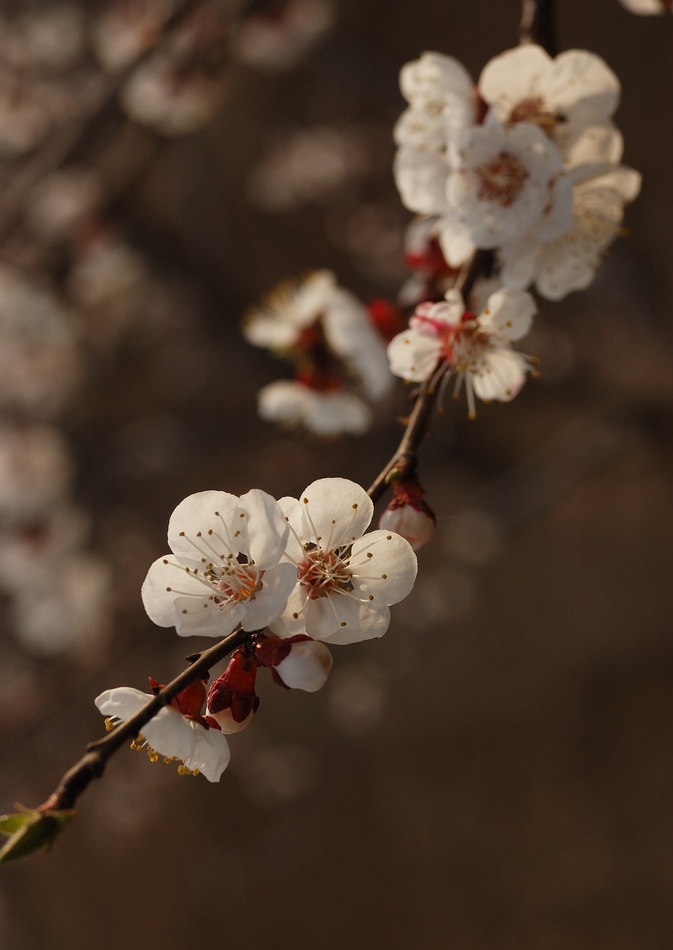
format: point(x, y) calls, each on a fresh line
point(239, 582)
point(324, 571)
point(533, 110)
point(501, 180)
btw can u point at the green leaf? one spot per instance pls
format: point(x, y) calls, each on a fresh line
point(30, 831)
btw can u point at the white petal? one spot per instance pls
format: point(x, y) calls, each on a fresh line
point(306, 666)
point(421, 177)
point(211, 753)
point(597, 143)
point(269, 603)
point(265, 527)
point(339, 618)
point(335, 511)
point(166, 579)
point(583, 81)
point(413, 356)
point(510, 314)
point(518, 263)
point(291, 621)
point(455, 241)
point(514, 76)
point(198, 514)
point(202, 617)
point(500, 375)
point(384, 565)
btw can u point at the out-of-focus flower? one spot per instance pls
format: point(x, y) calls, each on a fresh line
point(126, 29)
point(278, 40)
point(409, 514)
point(65, 605)
point(325, 413)
point(232, 699)
point(328, 335)
point(225, 567)
point(201, 747)
point(647, 7)
point(35, 472)
point(442, 102)
point(61, 201)
point(295, 663)
point(569, 262)
point(565, 97)
point(476, 348)
point(38, 358)
point(51, 38)
point(24, 121)
point(169, 98)
point(345, 582)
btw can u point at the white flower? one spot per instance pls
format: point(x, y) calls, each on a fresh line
point(647, 7)
point(568, 262)
point(300, 317)
point(224, 570)
point(476, 348)
point(564, 96)
point(169, 99)
point(326, 414)
point(345, 582)
point(61, 201)
point(500, 184)
point(170, 733)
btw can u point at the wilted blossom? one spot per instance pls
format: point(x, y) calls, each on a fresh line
point(475, 347)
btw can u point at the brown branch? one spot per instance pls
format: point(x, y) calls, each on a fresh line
point(538, 25)
point(92, 764)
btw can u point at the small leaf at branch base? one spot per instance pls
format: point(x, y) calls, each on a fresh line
point(31, 830)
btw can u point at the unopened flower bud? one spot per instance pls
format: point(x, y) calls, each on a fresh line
point(409, 515)
point(232, 700)
point(297, 662)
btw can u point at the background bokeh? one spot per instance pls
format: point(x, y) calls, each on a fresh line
point(496, 773)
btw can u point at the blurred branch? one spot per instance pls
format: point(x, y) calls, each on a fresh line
point(67, 141)
point(538, 24)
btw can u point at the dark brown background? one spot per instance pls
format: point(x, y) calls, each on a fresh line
point(496, 773)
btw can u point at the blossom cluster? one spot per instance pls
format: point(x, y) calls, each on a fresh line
point(302, 569)
point(525, 164)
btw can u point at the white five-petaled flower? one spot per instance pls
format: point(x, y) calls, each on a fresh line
point(477, 348)
point(565, 97)
point(345, 581)
point(170, 733)
point(225, 568)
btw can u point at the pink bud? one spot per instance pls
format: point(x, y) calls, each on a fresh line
point(297, 662)
point(409, 515)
